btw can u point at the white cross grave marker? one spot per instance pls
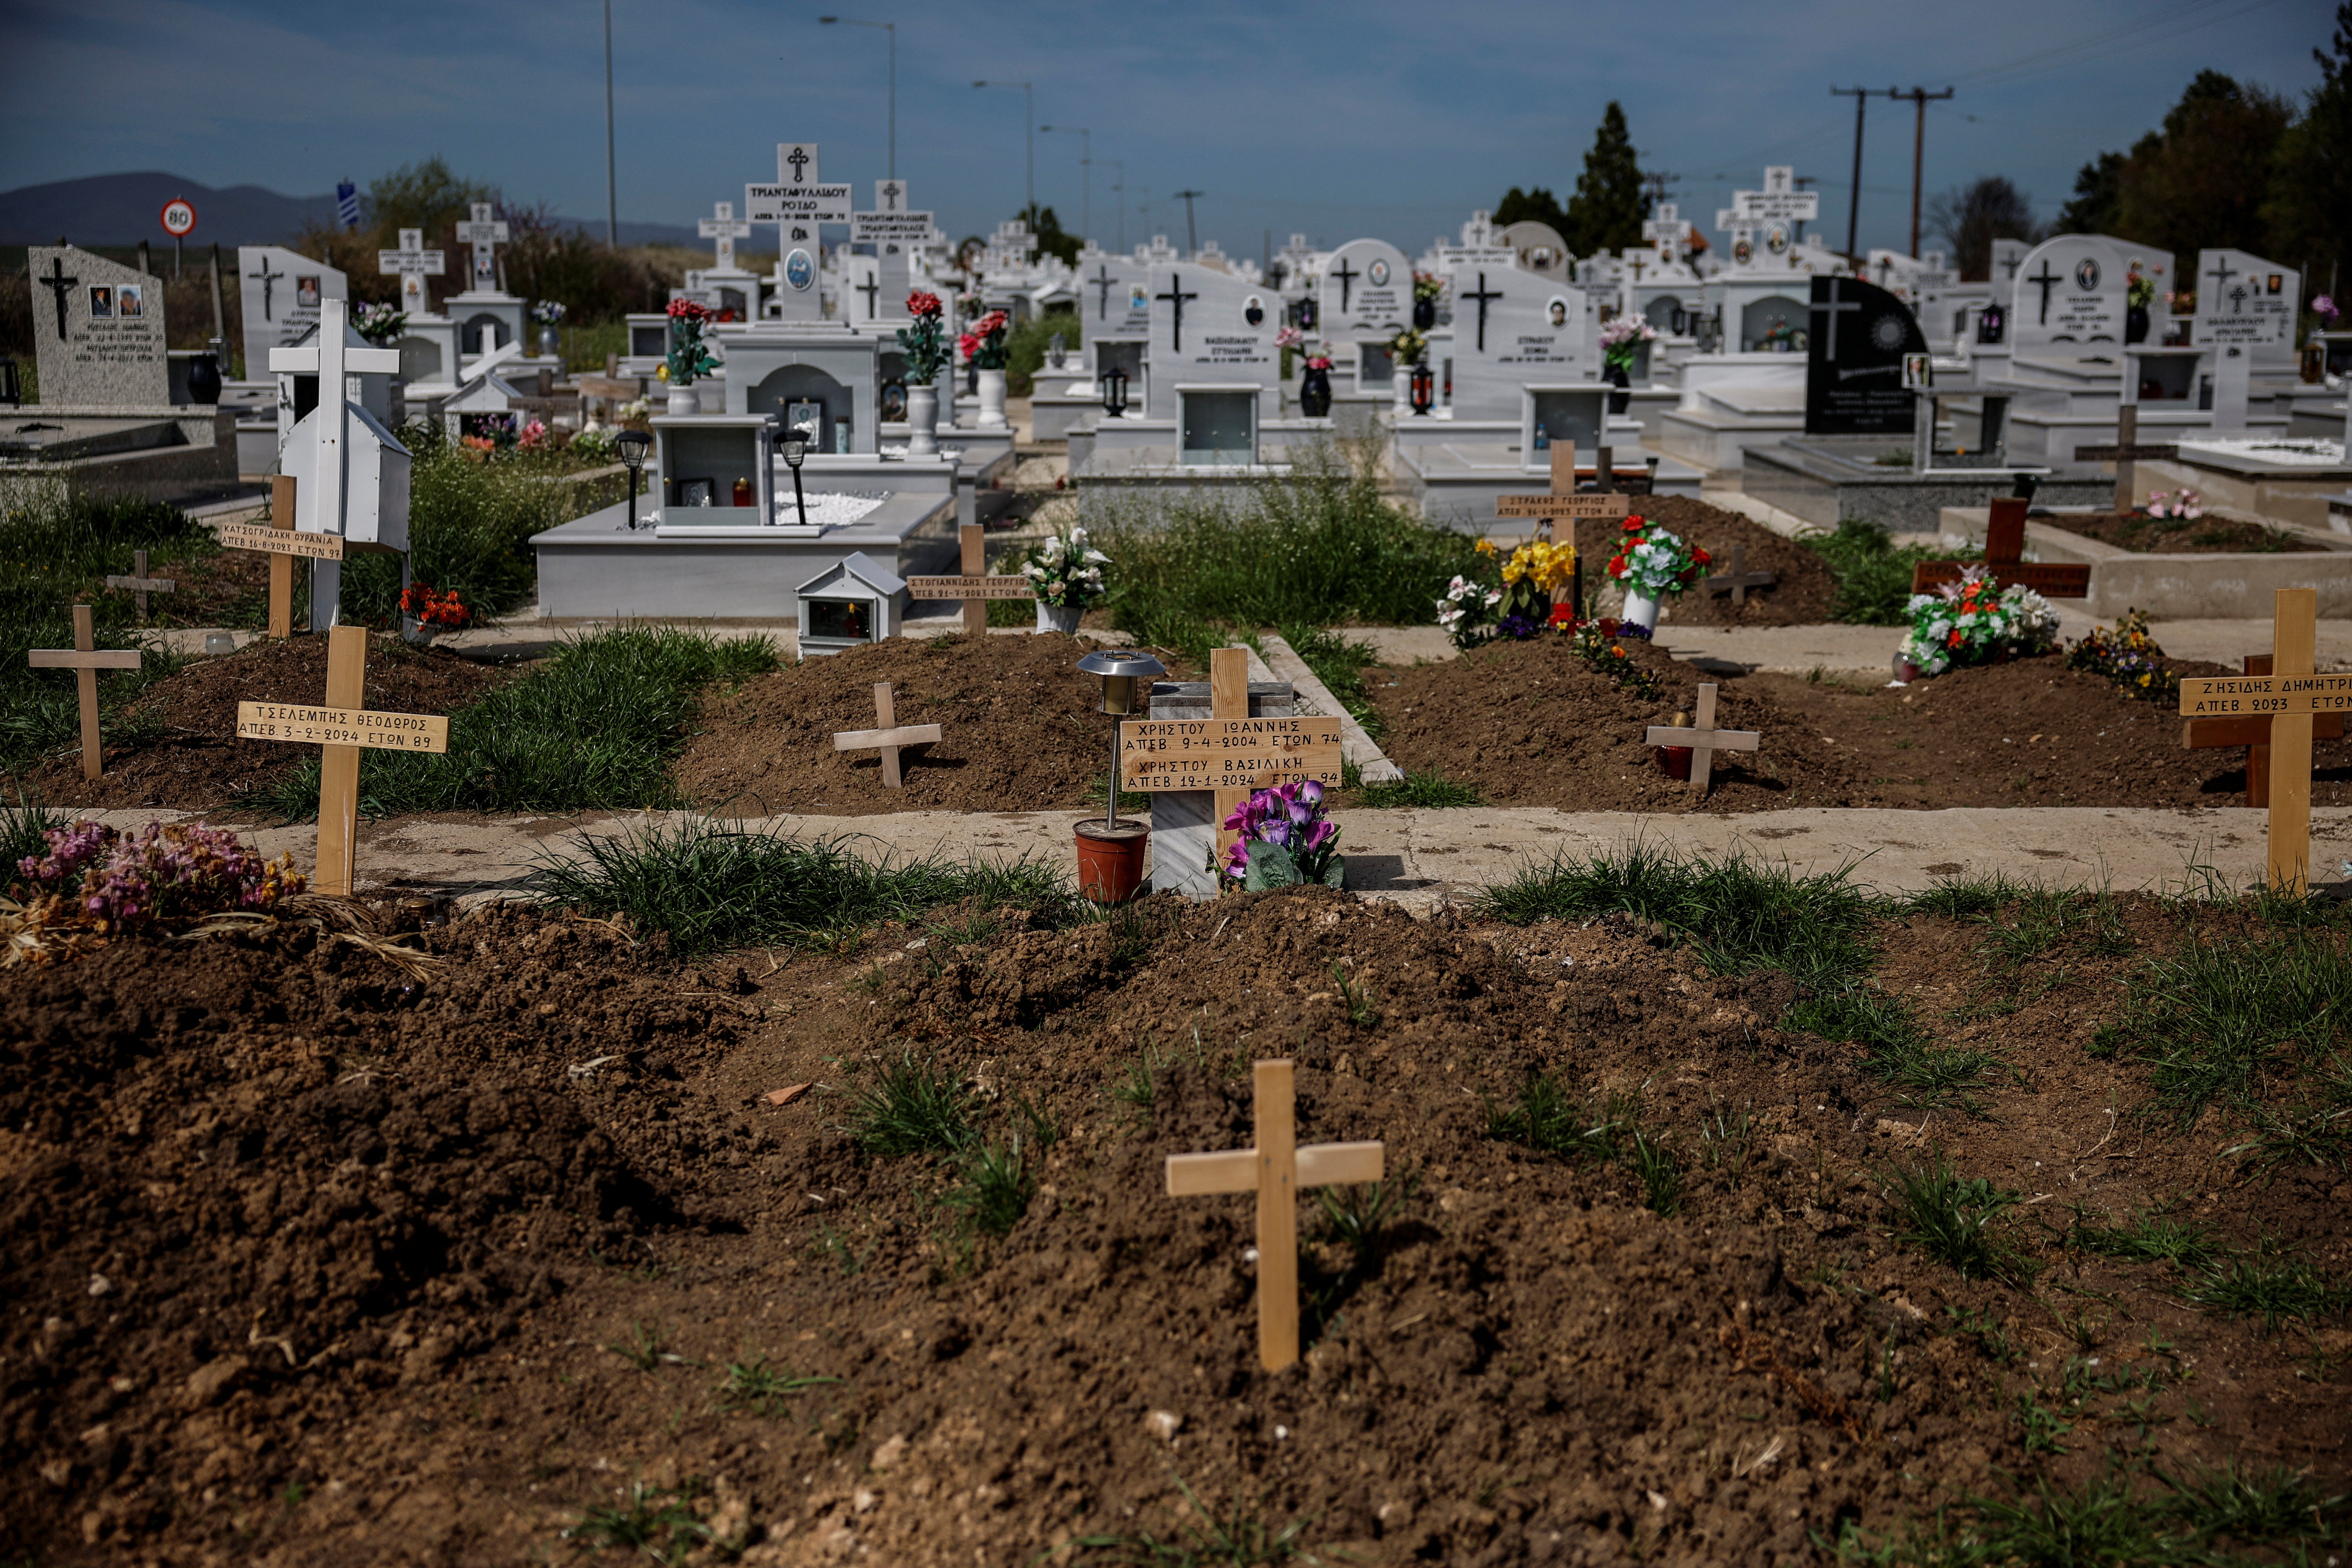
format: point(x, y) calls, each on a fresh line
point(485, 234)
point(725, 228)
point(414, 264)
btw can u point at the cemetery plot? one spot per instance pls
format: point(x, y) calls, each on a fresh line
point(2206, 535)
point(179, 746)
point(1531, 724)
point(1020, 729)
point(1802, 590)
point(572, 1229)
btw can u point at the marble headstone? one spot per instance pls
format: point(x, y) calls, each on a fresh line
point(2071, 293)
point(1202, 330)
point(1366, 288)
point(1854, 360)
point(1513, 328)
point(98, 332)
point(280, 290)
point(1114, 296)
point(1540, 248)
point(2248, 302)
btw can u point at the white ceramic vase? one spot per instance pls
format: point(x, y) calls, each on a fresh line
point(684, 399)
point(992, 400)
point(1058, 617)
point(922, 421)
point(1641, 611)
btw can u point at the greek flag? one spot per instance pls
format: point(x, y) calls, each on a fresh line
point(347, 203)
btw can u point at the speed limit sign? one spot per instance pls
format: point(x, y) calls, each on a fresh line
point(179, 218)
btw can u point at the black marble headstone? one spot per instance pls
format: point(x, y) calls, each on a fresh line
point(1853, 364)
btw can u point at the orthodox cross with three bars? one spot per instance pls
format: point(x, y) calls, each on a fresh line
point(1703, 738)
point(1275, 1168)
point(342, 729)
point(1740, 578)
point(888, 737)
point(86, 659)
point(485, 234)
point(2291, 697)
point(724, 228)
point(1484, 297)
point(1176, 297)
point(140, 584)
point(60, 285)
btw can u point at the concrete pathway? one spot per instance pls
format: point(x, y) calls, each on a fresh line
point(1420, 858)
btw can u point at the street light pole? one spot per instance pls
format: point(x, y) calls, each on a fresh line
point(1120, 190)
point(611, 189)
point(1191, 238)
point(1029, 128)
point(1087, 177)
point(891, 28)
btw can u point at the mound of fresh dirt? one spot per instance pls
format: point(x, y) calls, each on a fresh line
point(2179, 536)
point(1022, 729)
point(1513, 1356)
point(1802, 585)
point(1531, 725)
point(187, 756)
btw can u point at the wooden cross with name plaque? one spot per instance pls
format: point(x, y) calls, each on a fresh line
point(84, 658)
point(2290, 698)
point(2005, 559)
point(140, 584)
point(1275, 1167)
point(1228, 753)
point(2255, 734)
point(342, 729)
point(1562, 504)
point(889, 736)
point(975, 587)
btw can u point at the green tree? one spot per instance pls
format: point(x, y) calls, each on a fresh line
point(1606, 212)
point(1972, 217)
point(424, 195)
point(2196, 181)
point(2098, 190)
point(1536, 205)
point(2309, 208)
point(1051, 241)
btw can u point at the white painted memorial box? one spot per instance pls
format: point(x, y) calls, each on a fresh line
point(375, 475)
point(854, 602)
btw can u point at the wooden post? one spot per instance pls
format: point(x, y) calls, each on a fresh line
point(1275, 1169)
point(1605, 464)
point(2253, 734)
point(339, 766)
point(1228, 699)
point(2294, 637)
point(1563, 483)
point(973, 539)
point(281, 567)
point(887, 736)
point(2126, 434)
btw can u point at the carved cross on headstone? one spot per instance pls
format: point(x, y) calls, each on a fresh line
point(1275, 1168)
point(872, 290)
point(1834, 308)
point(798, 158)
point(412, 264)
point(60, 285)
point(268, 281)
point(1176, 297)
point(723, 228)
point(1104, 282)
point(1738, 579)
point(2222, 272)
point(141, 584)
point(1703, 738)
point(2049, 280)
point(1346, 276)
point(887, 736)
point(85, 659)
point(1485, 298)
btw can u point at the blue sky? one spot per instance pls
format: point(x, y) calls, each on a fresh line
point(1372, 118)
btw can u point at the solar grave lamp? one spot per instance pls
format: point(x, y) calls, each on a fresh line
point(796, 453)
point(1114, 392)
point(1120, 670)
point(633, 444)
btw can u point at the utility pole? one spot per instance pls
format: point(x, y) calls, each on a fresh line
point(611, 191)
point(1120, 164)
point(1192, 240)
point(1086, 173)
point(1919, 98)
point(1861, 95)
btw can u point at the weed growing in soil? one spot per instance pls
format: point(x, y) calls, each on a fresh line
point(646, 1347)
point(1549, 1120)
point(915, 1109)
point(1873, 578)
point(755, 1388)
point(1652, 1160)
point(24, 831)
point(2147, 1238)
point(1951, 1217)
point(1339, 661)
point(1897, 1050)
point(2263, 1284)
point(656, 1521)
point(705, 885)
point(995, 1188)
point(1740, 914)
point(1427, 790)
point(1356, 998)
point(1726, 1139)
point(1239, 1540)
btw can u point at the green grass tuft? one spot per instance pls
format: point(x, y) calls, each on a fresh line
point(1873, 578)
point(1897, 1050)
point(1425, 790)
point(914, 1109)
point(996, 1186)
point(1953, 1219)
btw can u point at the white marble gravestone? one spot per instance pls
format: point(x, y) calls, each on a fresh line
point(2246, 301)
point(1367, 290)
point(1203, 332)
point(796, 204)
point(1114, 296)
point(98, 332)
point(2070, 296)
point(280, 290)
point(898, 234)
point(1515, 329)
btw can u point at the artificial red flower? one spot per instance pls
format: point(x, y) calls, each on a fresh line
point(922, 303)
point(1563, 615)
point(690, 310)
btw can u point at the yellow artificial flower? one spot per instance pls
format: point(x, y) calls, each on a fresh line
point(1514, 569)
point(1486, 547)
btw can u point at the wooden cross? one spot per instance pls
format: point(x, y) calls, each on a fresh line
point(975, 587)
point(85, 659)
point(2005, 559)
point(1228, 699)
point(2255, 734)
point(1740, 578)
point(2291, 697)
point(1703, 738)
point(342, 729)
point(1560, 503)
point(2129, 447)
point(1275, 1168)
point(283, 542)
point(140, 584)
point(888, 735)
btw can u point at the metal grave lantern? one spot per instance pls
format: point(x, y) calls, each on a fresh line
point(856, 601)
point(1424, 389)
point(633, 444)
point(1114, 392)
point(796, 450)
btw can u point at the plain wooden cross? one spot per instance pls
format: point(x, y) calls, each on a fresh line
point(2292, 696)
point(1703, 738)
point(2128, 449)
point(1740, 578)
point(1275, 1168)
point(342, 729)
point(2005, 559)
point(888, 735)
point(86, 659)
point(140, 584)
point(2253, 733)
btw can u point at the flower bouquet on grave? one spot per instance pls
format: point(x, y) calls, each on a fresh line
point(1065, 570)
point(688, 357)
point(2140, 290)
point(379, 324)
point(1596, 643)
point(97, 881)
point(547, 313)
point(984, 345)
point(1285, 840)
point(2324, 307)
point(440, 611)
point(535, 437)
point(2126, 655)
point(1408, 347)
point(925, 341)
point(2185, 505)
point(1526, 601)
point(1620, 337)
point(1428, 286)
point(1654, 564)
point(1974, 622)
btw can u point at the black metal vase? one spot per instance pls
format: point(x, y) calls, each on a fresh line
point(2135, 323)
point(1622, 398)
point(1425, 314)
point(1315, 393)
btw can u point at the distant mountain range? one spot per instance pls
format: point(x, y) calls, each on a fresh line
point(123, 209)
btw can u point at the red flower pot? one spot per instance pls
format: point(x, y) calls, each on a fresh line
point(1675, 762)
point(1110, 858)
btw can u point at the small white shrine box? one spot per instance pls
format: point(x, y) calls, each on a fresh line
point(856, 601)
point(375, 477)
point(715, 460)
